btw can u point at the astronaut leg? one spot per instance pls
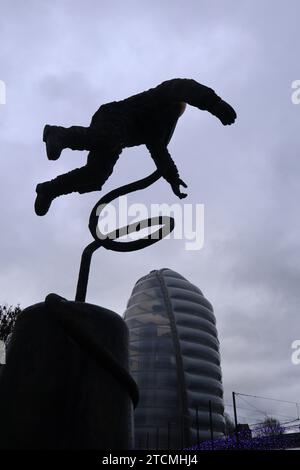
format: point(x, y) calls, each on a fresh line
point(58, 138)
point(90, 177)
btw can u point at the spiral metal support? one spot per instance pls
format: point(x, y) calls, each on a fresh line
point(109, 241)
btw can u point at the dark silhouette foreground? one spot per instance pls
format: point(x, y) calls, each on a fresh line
point(147, 118)
point(66, 383)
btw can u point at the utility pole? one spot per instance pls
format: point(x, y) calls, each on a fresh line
point(235, 418)
point(211, 426)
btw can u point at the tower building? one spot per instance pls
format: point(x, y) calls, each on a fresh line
point(175, 360)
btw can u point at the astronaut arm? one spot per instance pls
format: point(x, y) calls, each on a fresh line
point(167, 167)
point(202, 97)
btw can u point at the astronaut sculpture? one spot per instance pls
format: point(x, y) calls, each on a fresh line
point(147, 118)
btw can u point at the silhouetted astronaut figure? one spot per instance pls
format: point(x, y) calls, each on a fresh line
point(146, 118)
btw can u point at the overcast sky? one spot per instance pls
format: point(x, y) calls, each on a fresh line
point(60, 60)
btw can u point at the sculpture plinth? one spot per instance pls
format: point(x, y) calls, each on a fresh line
point(66, 383)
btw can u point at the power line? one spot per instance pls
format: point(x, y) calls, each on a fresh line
point(240, 407)
point(250, 404)
point(266, 398)
point(269, 412)
point(257, 412)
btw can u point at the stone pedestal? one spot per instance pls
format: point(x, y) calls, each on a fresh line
point(66, 383)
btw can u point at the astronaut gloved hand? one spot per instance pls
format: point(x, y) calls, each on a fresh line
point(175, 184)
point(224, 112)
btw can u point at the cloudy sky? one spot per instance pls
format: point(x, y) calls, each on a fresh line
point(60, 60)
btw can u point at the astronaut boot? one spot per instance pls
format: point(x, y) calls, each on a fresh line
point(54, 138)
point(44, 198)
point(81, 180)
point(58, 138)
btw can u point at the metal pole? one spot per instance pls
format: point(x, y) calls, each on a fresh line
point(197, 426)
point(84, 270)
point(235, 418)
point(169, 435)
point(211, 426)
point(182, 431)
